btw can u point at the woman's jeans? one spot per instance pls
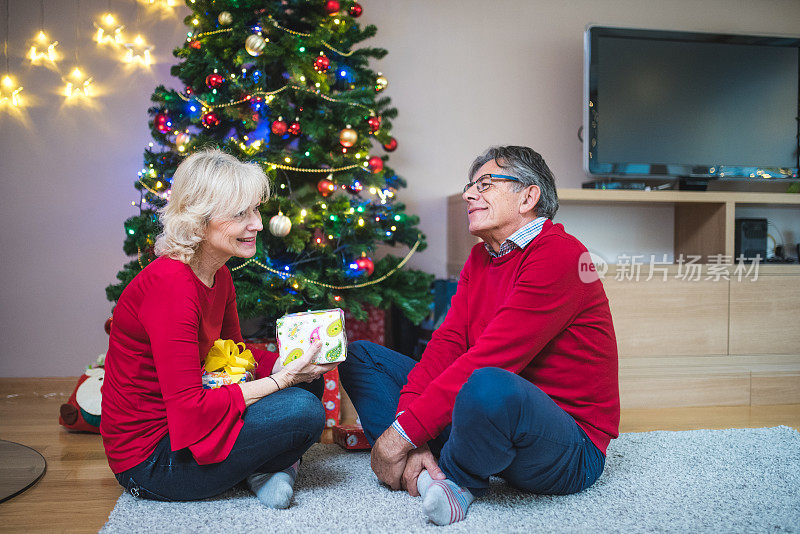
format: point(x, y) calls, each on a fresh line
point(502, 425)
point(277, 430)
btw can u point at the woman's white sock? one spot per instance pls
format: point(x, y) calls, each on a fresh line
point(274, 490)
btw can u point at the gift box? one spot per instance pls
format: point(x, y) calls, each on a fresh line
point(332, 398)
point(297, 331)
point(227, 363)
point(217, 379)
point(350, 437)
point(372, 329)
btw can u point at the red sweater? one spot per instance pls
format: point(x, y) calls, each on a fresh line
point(527, 312)
point(164, 325)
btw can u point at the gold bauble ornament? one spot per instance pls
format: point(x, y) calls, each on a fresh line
point(280, 225)
point(348, 137)
point(381, 82)
point(255, 44)
point(225, 18)
point(182, 138)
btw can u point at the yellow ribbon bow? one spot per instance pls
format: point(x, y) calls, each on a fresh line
point(225, 356)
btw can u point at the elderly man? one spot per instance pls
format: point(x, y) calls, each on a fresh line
point(520, 381)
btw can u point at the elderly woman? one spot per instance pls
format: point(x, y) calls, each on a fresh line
point(166, 437)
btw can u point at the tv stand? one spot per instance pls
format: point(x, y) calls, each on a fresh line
point(690, 183)
point(632, 184)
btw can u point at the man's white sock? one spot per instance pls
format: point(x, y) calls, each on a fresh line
point(446, 502)
point(274, 490)
point(424, 482)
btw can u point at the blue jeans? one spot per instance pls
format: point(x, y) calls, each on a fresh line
point(277, 430)
point(502, 425)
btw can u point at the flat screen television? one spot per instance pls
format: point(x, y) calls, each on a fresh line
point(693, 106)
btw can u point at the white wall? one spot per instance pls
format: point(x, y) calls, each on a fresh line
point(464, 75)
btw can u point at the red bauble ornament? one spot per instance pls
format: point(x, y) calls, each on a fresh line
point(211, 119)
point(355, 188)
point(214, 80)
point(365, 264)
point(374, 124)
point(162, 123)
point(107, 326)
point(355, 10)
point(332, 7)
point(294, 128)
point(195, 44)
point(319, 237)
point(375, 164)
point(325, 187)
point(391, 145)
point(279, 127)
point(322, 63)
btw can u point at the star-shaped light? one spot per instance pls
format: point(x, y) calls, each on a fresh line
point(138, 51)
point(9, 92)
point(77, 84)
point(108, 31)
point(164, 5)
point(43, 49)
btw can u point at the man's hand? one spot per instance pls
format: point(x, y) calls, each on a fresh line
point(419, 459)
point(389, 456)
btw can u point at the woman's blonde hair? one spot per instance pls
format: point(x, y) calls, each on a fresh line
point(208, 184)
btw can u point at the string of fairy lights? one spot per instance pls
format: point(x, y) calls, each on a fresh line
point(109, 33)
point(118, 37)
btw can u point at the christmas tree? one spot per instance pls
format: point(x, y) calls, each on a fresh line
point(283, 84)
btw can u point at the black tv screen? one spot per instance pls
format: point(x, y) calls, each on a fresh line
point(664, 103)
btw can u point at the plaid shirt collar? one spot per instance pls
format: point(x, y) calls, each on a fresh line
point(520, 238)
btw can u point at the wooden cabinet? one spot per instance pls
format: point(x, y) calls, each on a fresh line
point(713, 340)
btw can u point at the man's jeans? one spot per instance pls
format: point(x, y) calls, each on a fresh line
point(502, 425)
point(277, 430)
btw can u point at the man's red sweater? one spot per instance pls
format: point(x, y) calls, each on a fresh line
point(164, 325)
point(530, 313)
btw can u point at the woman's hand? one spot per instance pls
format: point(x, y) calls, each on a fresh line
point(303, 369)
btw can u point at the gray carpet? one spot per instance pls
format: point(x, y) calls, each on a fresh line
point(737, 480)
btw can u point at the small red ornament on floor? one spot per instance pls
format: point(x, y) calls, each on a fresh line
point(350, 437)
point(375, 164)
point(279, 127)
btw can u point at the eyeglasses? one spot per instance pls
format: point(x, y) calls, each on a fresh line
point(484, 181)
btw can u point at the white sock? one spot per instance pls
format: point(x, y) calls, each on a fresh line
point(274, 490)
point(446, 502)
point(424, 482)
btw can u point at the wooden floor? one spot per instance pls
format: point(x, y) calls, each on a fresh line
point(78, 490)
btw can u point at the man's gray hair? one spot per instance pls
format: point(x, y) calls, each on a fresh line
point(527, 165)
